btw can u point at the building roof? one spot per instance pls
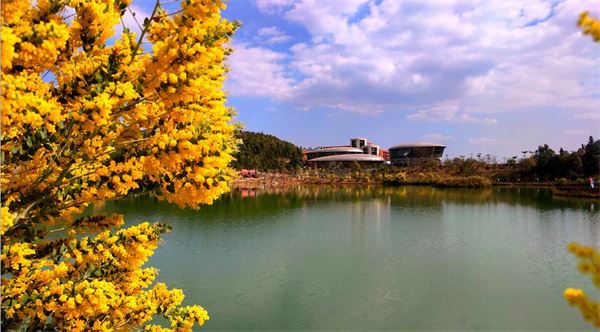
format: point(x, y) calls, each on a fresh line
point(346, 149)
point(349, 157)
point(417, 145)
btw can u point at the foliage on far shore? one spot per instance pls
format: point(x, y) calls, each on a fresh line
point(569, 171)
point(266, 153)
point(435, 179)
point(543, 165)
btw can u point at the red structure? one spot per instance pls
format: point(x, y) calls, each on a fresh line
point(385, 154)
point(249, 173)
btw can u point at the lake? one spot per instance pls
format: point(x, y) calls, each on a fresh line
point(376, 258)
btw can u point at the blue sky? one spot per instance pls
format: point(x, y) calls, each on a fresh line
point(493, 77)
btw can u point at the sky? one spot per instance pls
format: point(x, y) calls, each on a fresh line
point(497, 77)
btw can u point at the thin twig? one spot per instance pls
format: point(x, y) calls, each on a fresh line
point(135, 19)
point(45, 73)
point(146, 27)
point(171, 14)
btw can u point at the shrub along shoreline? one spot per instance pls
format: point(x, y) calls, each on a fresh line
point(473, 181)
point(386, 178)
point(567, 173)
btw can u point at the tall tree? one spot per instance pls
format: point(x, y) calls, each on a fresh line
point(543, 157)
point(591, 157)
point(85, 120)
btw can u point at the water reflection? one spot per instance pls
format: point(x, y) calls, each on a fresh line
point(375, 258)
point(425, 196)
point(250, 204)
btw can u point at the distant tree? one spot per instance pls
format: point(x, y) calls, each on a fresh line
point(512, 160)
point(527, 168)
point(543, 161)
point(266, 153)
point(590, 158)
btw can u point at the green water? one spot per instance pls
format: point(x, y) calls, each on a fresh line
point(359, 258)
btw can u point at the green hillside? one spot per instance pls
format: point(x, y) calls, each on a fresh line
point(266, 153)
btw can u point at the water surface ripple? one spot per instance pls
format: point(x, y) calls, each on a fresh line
point(380, 258)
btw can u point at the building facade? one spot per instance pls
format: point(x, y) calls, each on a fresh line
point(398, 155)
point(331, 151)
point(415, 153)
point(359, 151)
point(365, 161)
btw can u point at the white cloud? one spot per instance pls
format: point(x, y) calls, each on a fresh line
point(442, 112)
point(437, 137)
point(256, 71)
point(448, 111)
point(273, 6)
point(575, 132)
point(402, 56)
point(466, 118)
point(592, 116)
point(483, 141)
point(272, 35)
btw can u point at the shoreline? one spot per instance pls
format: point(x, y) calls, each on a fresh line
point(285, 181)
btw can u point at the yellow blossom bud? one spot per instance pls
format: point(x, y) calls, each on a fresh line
point(172, 78)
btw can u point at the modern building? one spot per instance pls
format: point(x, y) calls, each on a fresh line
point(331, 151)
point(345, 160)
point(371, 149)
point(358, 142)
point(359, 150)
point(385, 154)
point(415, 153)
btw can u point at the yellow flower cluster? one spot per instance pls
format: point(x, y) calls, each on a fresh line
point(84, 121)
point(589, 25)
point(8, 220)
point(115, 120)
point(589, 264)
point(95, 21)
point(589, 257)
point(80, 288)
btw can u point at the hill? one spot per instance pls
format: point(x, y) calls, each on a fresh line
point(266, 153)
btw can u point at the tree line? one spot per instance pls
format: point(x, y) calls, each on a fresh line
point(545, 164)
